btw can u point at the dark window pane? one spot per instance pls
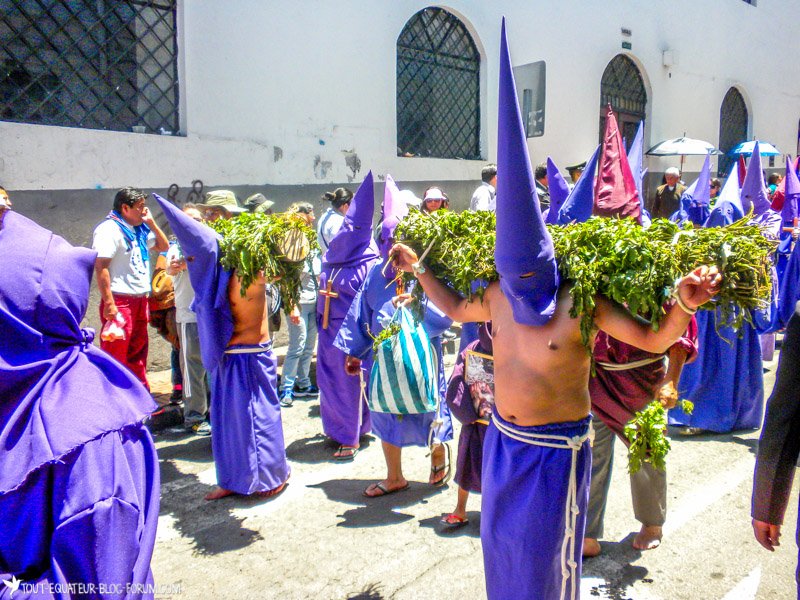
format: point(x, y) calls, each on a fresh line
point(438, 88)
point(732, 128)
point(99, 64)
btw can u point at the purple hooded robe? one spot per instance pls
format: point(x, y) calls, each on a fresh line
point(79, 476)
point(247, 435)
point(351, 253)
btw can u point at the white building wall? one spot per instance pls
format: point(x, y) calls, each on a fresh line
point(284, 93)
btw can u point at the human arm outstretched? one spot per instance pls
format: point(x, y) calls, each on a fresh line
point(453, 304)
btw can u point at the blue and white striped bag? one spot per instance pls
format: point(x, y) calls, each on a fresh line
point(404, 376)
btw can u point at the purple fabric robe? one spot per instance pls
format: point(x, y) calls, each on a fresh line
point(523, 532)
point(371, 308)
point(351, 253)
point(247, 434)
point(79, 497)
point(339, 392)
point(249, 451)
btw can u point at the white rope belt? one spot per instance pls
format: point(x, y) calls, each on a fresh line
point(250, 350)
point(568, 565)
point(629, 365)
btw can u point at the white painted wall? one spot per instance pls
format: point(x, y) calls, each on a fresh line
point(316, 79)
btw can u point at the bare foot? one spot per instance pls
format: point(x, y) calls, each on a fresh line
point(591, 547)
point(217, 493)
point(274, 492)
point(648, 538)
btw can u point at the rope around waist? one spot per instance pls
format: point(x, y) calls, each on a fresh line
point(629, 365)
point(249, 350)
point(541, 439)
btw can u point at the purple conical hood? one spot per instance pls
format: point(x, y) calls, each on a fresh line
point(754, 191)
point(395, 210)
point(696, 198)
point(200, 245)
point(578, 205)
point(523, 253)
point(354, 244)
point(559, 190)
point(635, 159)
point(728, 207)
point(789, 212)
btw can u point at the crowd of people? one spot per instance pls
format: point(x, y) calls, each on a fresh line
point(528, 419)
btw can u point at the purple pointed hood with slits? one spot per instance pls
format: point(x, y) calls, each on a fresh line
point(578, 205)
point(559, 191)
point(57, 390)
point(695, 200)
point(523, 252)
point(354, 244)
point(789, 212)
point(754, 190)
point(395, 210)
point(200, 246)
point(728, 207)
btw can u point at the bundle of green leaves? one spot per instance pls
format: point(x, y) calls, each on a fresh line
point(613, 257)
point(252, 244)
point(645, 432)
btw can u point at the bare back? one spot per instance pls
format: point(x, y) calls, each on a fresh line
point(541, 373)
point(250, 319)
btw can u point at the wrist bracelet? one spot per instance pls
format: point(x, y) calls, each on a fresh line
point(682, 304)
point(417, 268)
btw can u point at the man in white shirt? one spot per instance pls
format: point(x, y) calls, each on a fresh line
point(122, 242)
point(195, 398)
point(483, 197)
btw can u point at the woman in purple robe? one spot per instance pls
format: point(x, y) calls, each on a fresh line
point(345, 264)
point(79, 477)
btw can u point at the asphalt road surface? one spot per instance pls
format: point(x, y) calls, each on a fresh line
point(321, 539)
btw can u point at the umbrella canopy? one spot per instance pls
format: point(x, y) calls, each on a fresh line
point(746, 149)
point(682, 146)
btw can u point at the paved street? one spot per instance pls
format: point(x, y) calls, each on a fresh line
point(321, 539)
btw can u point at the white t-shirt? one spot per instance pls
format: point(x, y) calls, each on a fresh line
point(483, 198)
point(184, 294)
point(129, 273)
point(329, 226)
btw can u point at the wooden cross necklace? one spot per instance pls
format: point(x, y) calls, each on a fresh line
point(328, 293)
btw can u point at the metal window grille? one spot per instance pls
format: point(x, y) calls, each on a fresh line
point(622, 87)
point(98, 64)
point(732, 128)
point(438, 88)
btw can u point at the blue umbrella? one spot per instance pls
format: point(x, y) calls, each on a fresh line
point(746, 148)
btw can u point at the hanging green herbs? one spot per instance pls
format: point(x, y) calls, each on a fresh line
point(613, 257)
point(645, 432)
point(254, 243)
point(387, 332)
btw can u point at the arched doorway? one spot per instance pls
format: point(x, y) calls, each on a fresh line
point(622, 86)
point(438, 88)
point(732, 128)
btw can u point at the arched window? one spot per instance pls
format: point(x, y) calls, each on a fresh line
point(438, 88)
point(622, 86)
point(732, 128)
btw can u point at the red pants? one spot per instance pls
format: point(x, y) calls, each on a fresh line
point(132, 351)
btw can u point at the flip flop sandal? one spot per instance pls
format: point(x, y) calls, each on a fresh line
point(454, 521)
point(345, 457)
point(446, 467)
point(384, 491)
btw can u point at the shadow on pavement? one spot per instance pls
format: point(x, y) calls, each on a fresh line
point(471, 529)
point(370, 592)
point(613, 564)
point(314, 411)
point(213, 528)
point(379, 511)
point(197, 449)
point(319, 449)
